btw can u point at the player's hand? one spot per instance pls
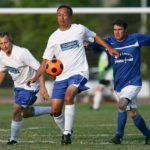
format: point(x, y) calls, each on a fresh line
point(114, 52)
point(44, 94)
point(30, 82)
point(86, 44)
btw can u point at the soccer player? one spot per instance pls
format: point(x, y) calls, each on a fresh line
point(127, 77)
point(67, 45)
point(22, 66)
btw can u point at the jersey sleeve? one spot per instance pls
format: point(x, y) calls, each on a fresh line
point(143, 39)
point(96, 47)
point(29, 60)
point(88, 34)
point(2, 67)
point(50, 48)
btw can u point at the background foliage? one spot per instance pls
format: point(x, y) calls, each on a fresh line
point(32, 31)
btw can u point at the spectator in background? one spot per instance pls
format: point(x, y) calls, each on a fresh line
point(105, 89)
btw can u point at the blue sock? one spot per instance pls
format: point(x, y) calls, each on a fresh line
point(122, 119)
point(141, 125)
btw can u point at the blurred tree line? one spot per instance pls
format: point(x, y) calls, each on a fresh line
point(32, 30)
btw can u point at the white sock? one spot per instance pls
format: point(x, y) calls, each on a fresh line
point(97, 99)
point(15, 128)
point(41, 110)
point(69, 118)
point(60, 122)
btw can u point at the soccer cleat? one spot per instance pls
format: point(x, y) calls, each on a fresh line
point(116, 140)
point(66, 139)
point(147, 141)
point(12, 142)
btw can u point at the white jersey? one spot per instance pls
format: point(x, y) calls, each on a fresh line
point(21, 65)
point(68, 47)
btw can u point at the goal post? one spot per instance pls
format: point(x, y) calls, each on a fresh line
point(79, 10)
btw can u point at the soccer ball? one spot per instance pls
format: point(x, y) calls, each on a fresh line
point(54, 67)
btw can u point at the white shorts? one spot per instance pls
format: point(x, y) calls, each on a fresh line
point(130, 92)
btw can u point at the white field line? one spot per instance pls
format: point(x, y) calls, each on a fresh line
point(53, 142)
point(31, 142)
point(76, 126)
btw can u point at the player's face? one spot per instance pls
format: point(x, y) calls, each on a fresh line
point(63, 18)
point(119, 33)
point(5, 45)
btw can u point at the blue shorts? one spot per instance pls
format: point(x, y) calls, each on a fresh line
point(60, 87)
point(25, 97)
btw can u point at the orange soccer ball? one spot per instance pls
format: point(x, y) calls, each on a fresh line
point(54, 67)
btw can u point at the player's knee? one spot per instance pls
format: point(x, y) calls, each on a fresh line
point(122, 104)
point(68, 100)
point(55, 112)
point(28, 112)
point(24, 115)
point(99, 88)
point(17, 111)
point(133, 113)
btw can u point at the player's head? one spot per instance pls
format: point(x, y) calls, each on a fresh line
point(67, 7)
point(64, 14)
point(5, 42)
point(120, 28)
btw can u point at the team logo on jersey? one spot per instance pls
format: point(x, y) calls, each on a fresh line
point(69, 45)
point(124, 58)
point(12, 70)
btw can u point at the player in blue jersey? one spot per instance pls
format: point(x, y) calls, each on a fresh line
point(127, 76)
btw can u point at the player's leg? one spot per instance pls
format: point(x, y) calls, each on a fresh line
point(131, 92)
point(121, 120)
point(23, 99)
point(97, 99)
point(137, 118)
point(140, 124)
point(57, 113)
point(57, 102)
point(76, 84)
point(69, 113)
point(125, 97)
point(15, 124)
point(32, 111)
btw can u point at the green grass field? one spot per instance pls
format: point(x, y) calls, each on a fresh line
point(92, 130)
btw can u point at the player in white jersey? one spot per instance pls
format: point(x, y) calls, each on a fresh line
point(67, 45)
point(22, 66)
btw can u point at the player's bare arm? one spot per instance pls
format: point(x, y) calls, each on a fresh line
point(39, 72)
point(111, 50)
point(2, 76)
point(43, 90)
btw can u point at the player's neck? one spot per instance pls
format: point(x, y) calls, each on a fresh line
point(122, 39)
point(9, 51)
point(64, 28)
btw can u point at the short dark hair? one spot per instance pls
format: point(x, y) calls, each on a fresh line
point(70, 11)
point(121, 23)
point(2, 34)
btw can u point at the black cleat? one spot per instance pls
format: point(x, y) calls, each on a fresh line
point(66, 139)
point(116, 140)
point(147, 141)
point(12, 142)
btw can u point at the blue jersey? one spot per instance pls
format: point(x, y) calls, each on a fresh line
point(127, 67)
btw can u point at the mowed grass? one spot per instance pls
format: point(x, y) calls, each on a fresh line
point(92, 130)
point(6, 92)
